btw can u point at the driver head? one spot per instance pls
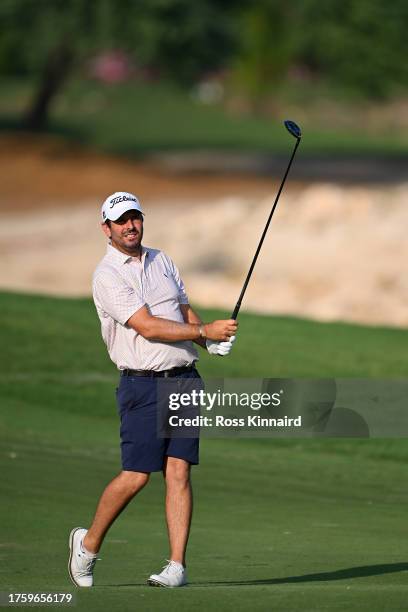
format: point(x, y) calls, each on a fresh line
point(293, 128)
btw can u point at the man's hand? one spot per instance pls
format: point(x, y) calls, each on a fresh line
point(190, 316)
point(221, 329)
point(220, 348)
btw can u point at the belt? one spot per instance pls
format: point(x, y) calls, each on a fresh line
point(160, 374)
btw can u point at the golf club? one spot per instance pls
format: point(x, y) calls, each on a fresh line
point(295, 130)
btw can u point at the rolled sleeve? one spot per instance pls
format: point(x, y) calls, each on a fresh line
point(116, 298)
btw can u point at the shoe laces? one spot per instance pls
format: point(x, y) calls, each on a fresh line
point(89, 565)
point(171, 567)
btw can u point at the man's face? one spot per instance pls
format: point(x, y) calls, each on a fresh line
point(126, 233)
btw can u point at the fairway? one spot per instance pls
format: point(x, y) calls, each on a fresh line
point(279, 524)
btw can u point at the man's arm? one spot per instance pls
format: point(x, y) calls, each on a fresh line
point(190, 316)
point(164, 330)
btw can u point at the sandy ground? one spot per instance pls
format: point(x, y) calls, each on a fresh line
point(333, 252)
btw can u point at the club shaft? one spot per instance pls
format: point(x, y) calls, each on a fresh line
point(238, 304)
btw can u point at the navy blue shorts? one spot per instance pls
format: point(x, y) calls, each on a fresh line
point(141, 448)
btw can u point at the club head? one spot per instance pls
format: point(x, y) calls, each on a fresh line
point(293, 128)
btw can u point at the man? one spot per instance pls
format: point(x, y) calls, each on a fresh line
point(149, 328)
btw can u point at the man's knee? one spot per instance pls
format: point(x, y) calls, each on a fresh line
point(134, 481)
point(177, 472)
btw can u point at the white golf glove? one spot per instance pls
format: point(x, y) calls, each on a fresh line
point(220, 348)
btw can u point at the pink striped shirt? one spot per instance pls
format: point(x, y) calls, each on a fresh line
point(121, 286)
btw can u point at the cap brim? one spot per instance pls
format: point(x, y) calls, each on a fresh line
point(120, 209)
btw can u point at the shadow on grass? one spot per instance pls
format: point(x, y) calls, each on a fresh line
point(361, 571)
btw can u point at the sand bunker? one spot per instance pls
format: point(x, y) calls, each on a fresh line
point(332, 252)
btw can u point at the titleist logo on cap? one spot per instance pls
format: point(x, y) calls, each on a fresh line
point(122, 198)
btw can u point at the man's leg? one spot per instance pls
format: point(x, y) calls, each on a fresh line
point(179, 506)
point(114, 499)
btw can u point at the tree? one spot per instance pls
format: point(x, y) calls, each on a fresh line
point(267, 47)
point(354, 44)
point(46, 38)
point(357, 43)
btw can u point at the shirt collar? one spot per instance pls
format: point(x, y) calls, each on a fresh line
point(122, 258)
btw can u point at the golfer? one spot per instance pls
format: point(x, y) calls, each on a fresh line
point(149, 328)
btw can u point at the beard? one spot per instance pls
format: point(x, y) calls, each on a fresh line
point(129, 242)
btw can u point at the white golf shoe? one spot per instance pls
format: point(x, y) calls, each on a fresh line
point(80, 564)
point(173, 575)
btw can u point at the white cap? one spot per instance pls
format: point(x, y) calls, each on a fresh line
point(118, 203)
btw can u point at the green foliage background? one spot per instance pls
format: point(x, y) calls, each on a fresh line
point(361, 44)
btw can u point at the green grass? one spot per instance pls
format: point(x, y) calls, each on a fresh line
point(279, 524)
point(134, 119)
